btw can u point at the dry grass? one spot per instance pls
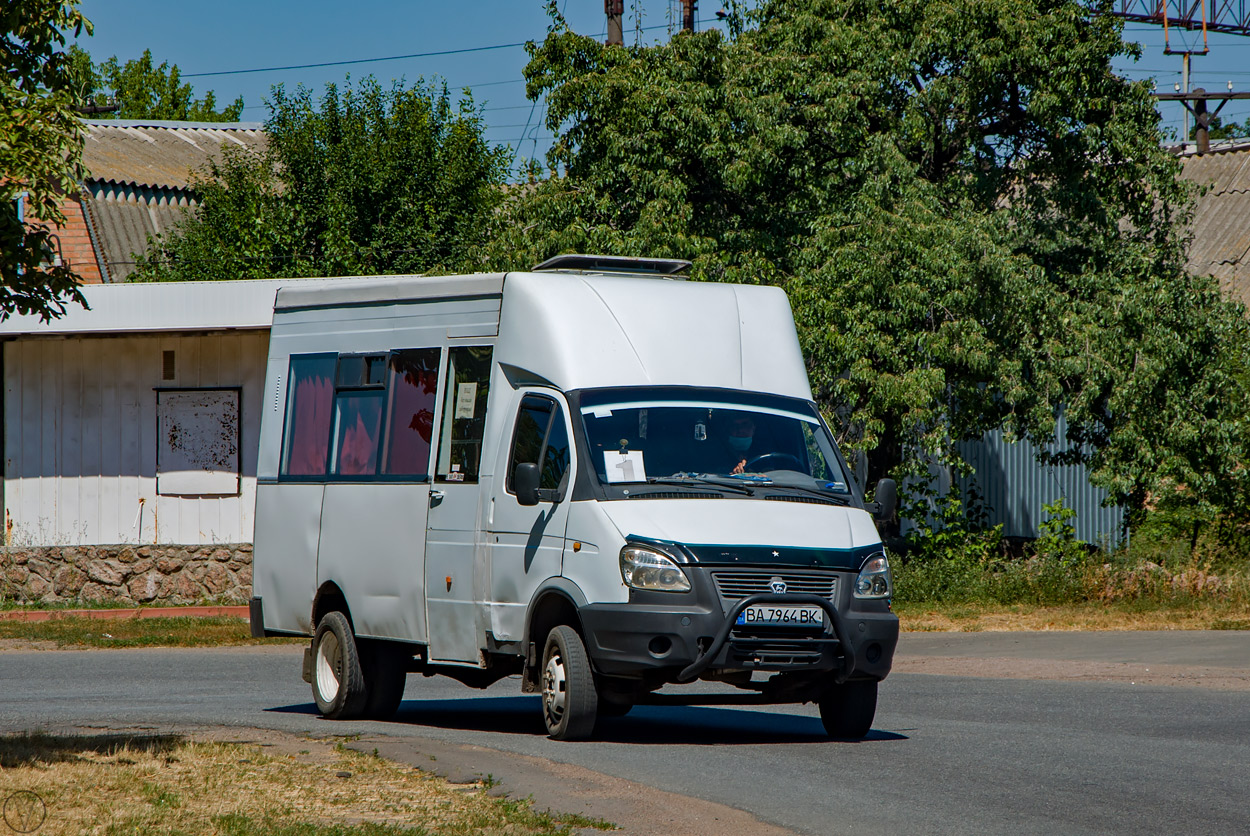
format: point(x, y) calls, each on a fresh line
point(78, 631)
point(113, 785)
point(1129, 615)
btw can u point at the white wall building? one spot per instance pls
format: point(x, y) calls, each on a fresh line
point(136, 421)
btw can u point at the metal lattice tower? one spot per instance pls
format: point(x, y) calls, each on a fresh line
point(1231, 16)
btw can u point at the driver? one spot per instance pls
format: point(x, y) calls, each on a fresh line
point(739, 441)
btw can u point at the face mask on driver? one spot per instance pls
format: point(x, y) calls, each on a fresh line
point(739, 443)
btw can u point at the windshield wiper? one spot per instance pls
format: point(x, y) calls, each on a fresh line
point(691, 480)
point(839, 499)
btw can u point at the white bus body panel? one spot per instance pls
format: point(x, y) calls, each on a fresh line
point(288, 527)
point(372, 542)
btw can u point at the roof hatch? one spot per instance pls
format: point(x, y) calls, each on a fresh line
point(578, 263)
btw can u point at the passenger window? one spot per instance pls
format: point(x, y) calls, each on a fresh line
point(413, 382)
point(464, 413)
point(540, 438)
point(357, 435)
point(357, 425)
point(309, 402)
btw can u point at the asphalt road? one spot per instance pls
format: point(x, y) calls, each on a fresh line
point(948, 754)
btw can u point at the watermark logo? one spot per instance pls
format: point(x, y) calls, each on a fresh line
point(24, 811)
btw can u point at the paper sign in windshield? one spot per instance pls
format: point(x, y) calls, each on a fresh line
point(624, 467)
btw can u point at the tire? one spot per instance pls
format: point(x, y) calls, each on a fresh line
point(338, 683)
point(385, 673)
point(847, 710)
point(570, 700)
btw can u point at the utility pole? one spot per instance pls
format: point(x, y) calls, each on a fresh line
point(1185, 54)
point(1195, 102)
point(615, 10)
point(687, 14)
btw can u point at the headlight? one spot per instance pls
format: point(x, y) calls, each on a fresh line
point(646, 569)
point(874, 579)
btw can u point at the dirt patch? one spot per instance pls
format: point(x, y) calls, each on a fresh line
point(638, 810)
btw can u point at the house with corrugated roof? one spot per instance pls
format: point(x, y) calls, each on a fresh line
point(138, 185)
point(1221, 228)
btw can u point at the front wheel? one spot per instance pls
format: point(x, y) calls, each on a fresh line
point(338, 681)
point(847, 709)
point(570, 701)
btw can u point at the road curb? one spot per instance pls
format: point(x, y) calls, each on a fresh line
point(134, 612)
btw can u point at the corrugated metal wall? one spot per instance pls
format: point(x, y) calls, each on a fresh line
point(80, 438)
point(1015, 487)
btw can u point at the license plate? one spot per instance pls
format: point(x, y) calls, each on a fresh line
point(774, 616)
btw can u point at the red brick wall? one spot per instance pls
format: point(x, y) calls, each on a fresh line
point(76, 242)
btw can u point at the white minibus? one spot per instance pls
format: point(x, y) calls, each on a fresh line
point(595, 476)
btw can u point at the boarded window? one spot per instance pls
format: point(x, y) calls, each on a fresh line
point(310, 400)
point(197, 450)
point(413, 387)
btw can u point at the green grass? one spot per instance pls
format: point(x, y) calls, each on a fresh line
point(8, 604)
point(182, 631)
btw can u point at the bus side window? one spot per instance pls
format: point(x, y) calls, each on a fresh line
point(413, 380)
point(309, 402)
point(464, 413)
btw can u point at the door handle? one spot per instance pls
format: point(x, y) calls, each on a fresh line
point(436, 495)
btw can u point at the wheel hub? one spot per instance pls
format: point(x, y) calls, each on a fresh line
point(329, 663)
point(555, 688)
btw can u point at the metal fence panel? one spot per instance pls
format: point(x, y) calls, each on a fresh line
point(1015, 487)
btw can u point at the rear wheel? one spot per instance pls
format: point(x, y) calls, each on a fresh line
point(847, 709)
point(570, 701)
point(338, 681)
point(385, 669)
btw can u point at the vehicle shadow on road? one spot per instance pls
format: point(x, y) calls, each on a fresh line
point(645, 725)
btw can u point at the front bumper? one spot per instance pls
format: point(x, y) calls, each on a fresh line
point(680, 643)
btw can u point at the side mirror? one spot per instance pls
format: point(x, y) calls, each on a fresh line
point(887, 500)
point(525, 481)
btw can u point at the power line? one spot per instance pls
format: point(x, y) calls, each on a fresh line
point(356, 61)
point(484, 110)
point(376, 60)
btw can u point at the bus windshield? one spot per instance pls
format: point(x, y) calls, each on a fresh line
point(637, 438)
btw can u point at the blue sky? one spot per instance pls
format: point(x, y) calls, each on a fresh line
point(231, 35)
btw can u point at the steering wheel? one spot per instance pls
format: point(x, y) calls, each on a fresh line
point(778, 460)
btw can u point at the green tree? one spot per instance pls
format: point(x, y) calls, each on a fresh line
point(40, 154)
point(144, 91)
point(367, 180)
point(1219, 129)
point(970, 212)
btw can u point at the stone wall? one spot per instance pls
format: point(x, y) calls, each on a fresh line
point(128, 575)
